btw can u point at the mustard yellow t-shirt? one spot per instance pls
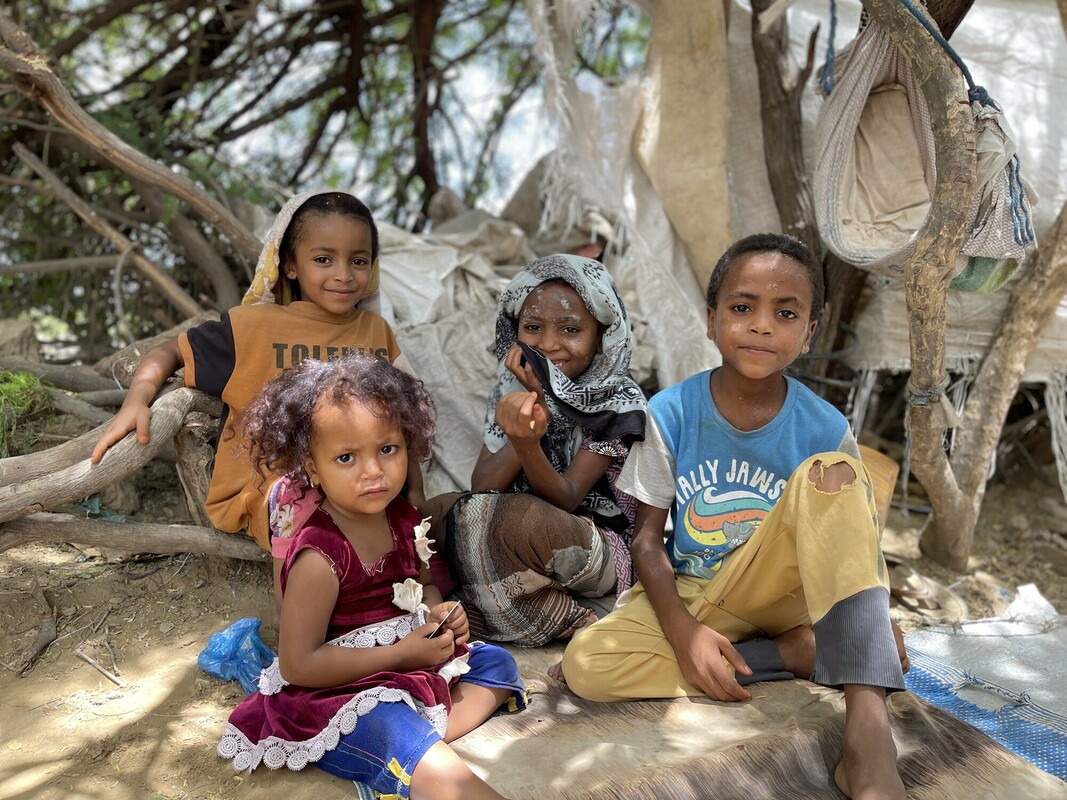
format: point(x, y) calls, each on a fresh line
point(234, 358)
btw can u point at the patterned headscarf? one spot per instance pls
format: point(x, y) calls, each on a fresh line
point(266, 286)
point(603, 403)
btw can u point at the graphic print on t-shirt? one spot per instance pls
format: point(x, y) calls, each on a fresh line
point(718, 510)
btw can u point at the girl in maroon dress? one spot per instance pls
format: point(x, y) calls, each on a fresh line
point(374, 674)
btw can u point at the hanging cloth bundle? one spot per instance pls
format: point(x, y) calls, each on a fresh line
point(874, 170)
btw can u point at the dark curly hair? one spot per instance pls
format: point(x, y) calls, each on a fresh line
point(276, 426)
point(322, 205)
point(771, 243)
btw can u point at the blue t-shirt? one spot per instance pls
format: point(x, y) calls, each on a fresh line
point(721, 481)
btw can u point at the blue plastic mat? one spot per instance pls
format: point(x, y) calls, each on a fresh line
point(1002, 693)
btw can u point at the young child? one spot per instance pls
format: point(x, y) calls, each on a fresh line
point(314, 296)
point(360, 688)
point(775, 529)
point(558, 425)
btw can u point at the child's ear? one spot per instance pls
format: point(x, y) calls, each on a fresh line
point(711, 323)
point(810, 336)
point(289, 268)
point(313, 475)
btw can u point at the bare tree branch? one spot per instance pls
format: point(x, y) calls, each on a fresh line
point(138, 537)
point(166, 284)
point(34, 79)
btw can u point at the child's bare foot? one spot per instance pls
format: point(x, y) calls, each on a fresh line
point(588, 618)
point(797, 649)
point(905, 663)
point(555, 672)
point(868, 766)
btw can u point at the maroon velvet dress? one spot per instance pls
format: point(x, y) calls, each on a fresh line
point(287, 725)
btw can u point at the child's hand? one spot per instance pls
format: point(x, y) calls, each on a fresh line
point(136, 416)
point(457, 623)
point(419, 651)
point(701, 660)
point(517, 365)
point(521, 417)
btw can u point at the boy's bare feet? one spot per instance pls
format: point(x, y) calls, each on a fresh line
point(868, 766)
point(797, 649)
point(555, 672)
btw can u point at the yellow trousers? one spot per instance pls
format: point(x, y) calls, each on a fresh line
point(814, 550)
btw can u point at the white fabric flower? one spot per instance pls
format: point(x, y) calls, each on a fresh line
point(422, 541)
point(408, 595)
point(454, 668)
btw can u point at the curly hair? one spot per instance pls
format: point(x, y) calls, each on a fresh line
point(789, 247)
point(323, 205)
point(277, 425)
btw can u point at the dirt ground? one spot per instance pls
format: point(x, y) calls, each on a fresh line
point(68, 731)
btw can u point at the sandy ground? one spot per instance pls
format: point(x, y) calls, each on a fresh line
point(67, 731)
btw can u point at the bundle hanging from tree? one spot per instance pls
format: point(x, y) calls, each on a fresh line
point(875, 169)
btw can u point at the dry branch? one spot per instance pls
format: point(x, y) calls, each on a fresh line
point(162, 281)
point(105, 397)
point(71, 378)
point(140, 537)
point(121, 365)
point(51, 265)
point(45, 636)
point(76, 407)
point(35, 79)
point(52, 478)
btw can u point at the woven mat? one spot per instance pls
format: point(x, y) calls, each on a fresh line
point(782, 744)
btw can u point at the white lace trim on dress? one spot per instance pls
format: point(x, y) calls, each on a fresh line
point(275, 752)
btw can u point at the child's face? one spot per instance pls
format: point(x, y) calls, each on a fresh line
point(555, 321)
point(762, 319)
point(358, 458)
point(333, 262)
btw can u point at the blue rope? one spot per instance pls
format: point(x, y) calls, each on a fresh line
point(1022, 228)
point(826, 77)
point(941, 40)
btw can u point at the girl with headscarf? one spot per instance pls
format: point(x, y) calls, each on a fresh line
point(545, 524)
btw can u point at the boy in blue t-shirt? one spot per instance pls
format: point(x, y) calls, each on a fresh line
point(775, 537)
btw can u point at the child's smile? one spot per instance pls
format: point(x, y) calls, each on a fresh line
point(762, 319)
point(554, 320)
point(333, 262)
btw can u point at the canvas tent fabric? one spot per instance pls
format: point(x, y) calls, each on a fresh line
point(882, 342)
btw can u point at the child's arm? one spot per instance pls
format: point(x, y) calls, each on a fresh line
point(136, 413)
point(523, 420)
point(304, 657)
point(699, 649)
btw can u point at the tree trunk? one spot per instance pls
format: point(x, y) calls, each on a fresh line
point(137, 537)
point(929, 271)
point(781, 84)
point(1034, 300)
point(62, 474)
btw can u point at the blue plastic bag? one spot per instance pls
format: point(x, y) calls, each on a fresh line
point(237, 653)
